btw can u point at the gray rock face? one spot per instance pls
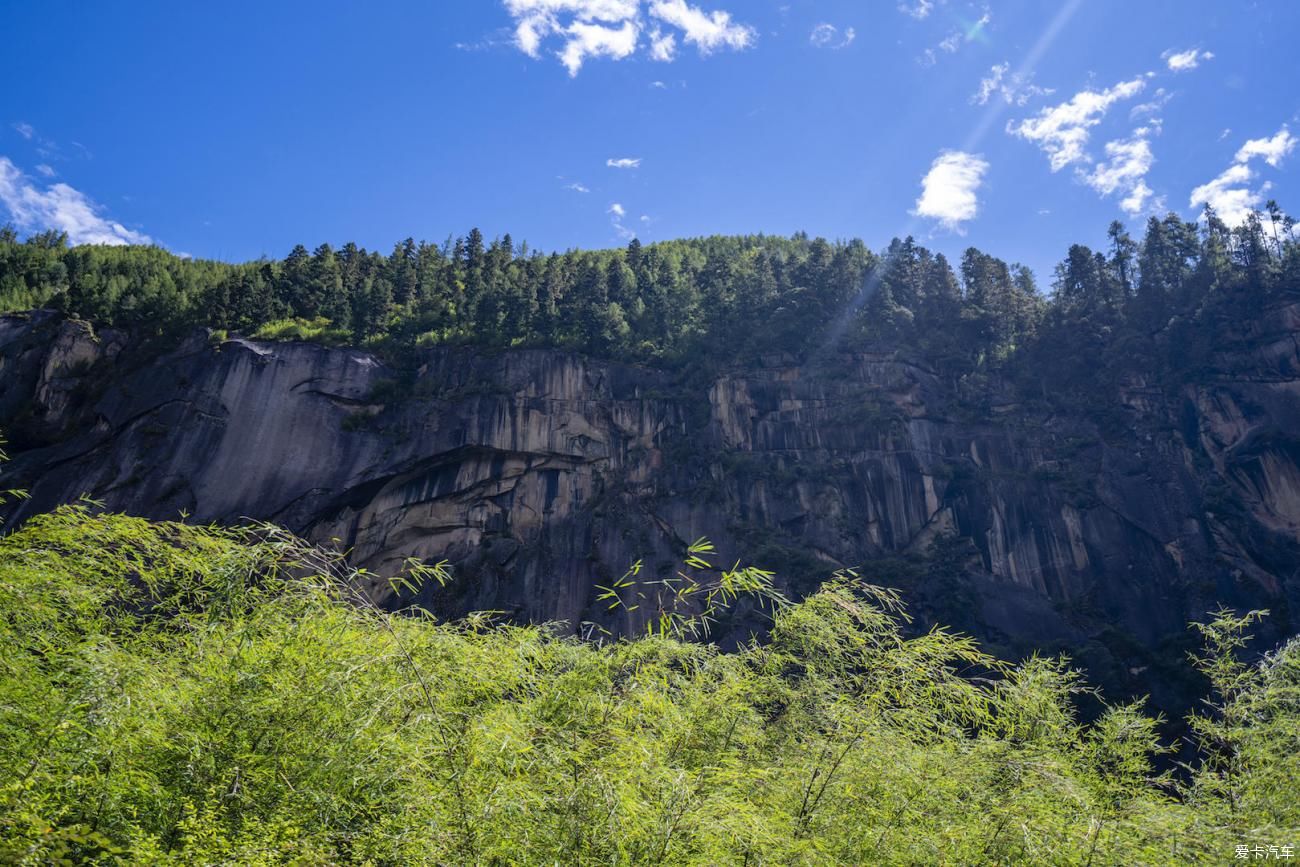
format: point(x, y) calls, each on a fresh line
point(541, 474)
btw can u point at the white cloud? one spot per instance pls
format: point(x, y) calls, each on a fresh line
point(659, 85)
point(1184, 61)
point(46, 171)
point(918, 10)
point(1015, 89)
point(616, 215)
point(1230, 194)
point(1125, 170)
point(822, 35)
point(1271, 149)
point(529, 33)
point(615, 29)
point(61, 208)
point(828, 36)
point(624, 163)
point(1158, 101)
point(25, 130)
point(992, 84)
point(577, 187)
point(948, 191)
point(1126, 162)
point(709, 31)
point(1061, 131)
point(537, 19)
point(663, 46)
point(1136, 200)
point(597, 40)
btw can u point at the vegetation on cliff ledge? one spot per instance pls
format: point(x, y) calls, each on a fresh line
point(186, 695)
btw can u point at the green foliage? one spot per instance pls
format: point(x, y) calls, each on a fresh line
point(1146, 307)
point(12, 493)
point(317, 330)
point(145, 286)
point(173, 694)
point(687, 604)
point(705, 299)
point(1251, 733)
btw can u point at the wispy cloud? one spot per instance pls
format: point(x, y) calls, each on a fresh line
point(1014, 89)
point(949, 189)
point(1153, 106)
point(950, 44)
point(61, 208)
point(1231, 193)
point(614, 29)
point(488, 43)
point(1124, 171)
point(920, 9)
point(617, 213)
point(624, 163)
point(829, 36)
point(577, 187)
point(1062, 131)
point(46, 171)
point(49, 150)
point(1184, 61)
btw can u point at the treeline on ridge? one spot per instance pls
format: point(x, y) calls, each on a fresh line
point(686, 300)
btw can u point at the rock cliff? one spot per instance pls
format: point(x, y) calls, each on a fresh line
point(540, 474)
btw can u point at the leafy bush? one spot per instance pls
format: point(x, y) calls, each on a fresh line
point(184, 695)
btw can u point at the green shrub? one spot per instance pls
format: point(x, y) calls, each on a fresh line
point(173, 694)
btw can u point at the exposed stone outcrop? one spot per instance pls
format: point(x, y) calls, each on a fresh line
point(541, 474)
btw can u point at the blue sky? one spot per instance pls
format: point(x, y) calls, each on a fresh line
point(239, 129)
